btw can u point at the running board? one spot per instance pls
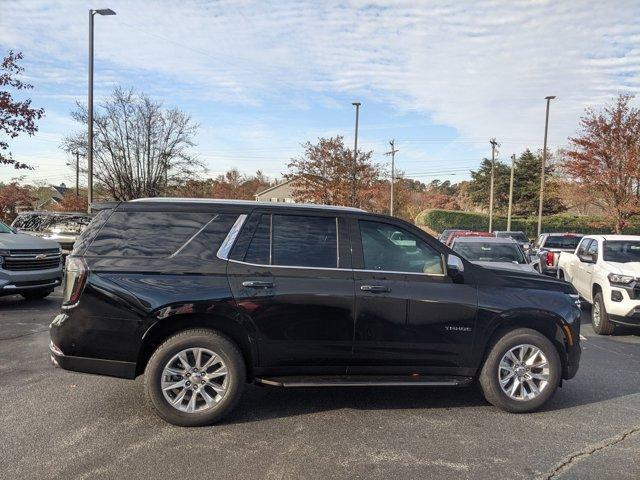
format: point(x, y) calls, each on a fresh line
point(365, 381)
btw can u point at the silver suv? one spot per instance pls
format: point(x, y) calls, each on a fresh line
point(29, 265)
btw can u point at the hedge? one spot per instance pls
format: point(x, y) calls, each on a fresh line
point(438, 220)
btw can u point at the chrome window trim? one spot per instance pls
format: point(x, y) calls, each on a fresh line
point(336, 269)
point(228, 242)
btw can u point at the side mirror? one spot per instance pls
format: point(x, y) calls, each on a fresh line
point(585, 258)
point(454, 265)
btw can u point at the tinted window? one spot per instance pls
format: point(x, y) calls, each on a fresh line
point(162, 234)
point(517, 236)
point(490, 251)
point(593, 248)
point(583, 246)
point(562, 241)
point(390, 248)
point(39, 222)
point(305, 241)
point(259, 250)
point(88, 233)
point(622, 251)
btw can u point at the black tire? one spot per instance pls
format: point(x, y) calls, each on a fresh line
point(202, 338)
point(489, 380)
point(36, 294)
point(604, 325)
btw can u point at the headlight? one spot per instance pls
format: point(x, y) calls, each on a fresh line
point(622, 279)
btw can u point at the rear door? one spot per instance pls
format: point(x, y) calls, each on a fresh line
point(291, 274)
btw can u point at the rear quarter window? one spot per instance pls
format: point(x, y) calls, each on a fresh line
point(162, 234)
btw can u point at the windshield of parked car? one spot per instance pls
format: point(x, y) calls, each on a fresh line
point(517, 236)
point(4, 228)
point(562, 241)
point(40, 222)
point(490, 252)
point(623, 251)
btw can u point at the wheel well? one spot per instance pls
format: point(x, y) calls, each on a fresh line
point(561, 273)
point(164, 329)
point(595, 289)
point(547, 328)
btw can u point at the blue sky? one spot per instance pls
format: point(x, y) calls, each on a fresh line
point(261, 78)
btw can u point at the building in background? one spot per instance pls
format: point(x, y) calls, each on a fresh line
point(282, 192)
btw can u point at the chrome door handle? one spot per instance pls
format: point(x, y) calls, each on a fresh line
point(375, 288)
point(257, 284)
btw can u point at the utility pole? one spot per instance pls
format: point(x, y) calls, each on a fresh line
point(355, 157)
point(544, 163)
point(494, 144)
point(92, 13)
point(392, 152)
point(513, 161)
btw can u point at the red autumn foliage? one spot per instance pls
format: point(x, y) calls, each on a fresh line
point(12, 196)
point(16, 116)
point(72, 202)
point(604, 158)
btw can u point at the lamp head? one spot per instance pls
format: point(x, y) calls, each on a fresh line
point(104, 11)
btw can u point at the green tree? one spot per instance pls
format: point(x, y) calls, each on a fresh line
point(526, 186)
point(480, 185)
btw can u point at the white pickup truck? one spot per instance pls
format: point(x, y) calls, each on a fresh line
point(605, 270)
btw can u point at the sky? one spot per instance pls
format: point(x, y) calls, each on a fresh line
point(261, 78)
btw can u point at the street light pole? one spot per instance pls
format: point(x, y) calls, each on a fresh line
point(544, 163)
point(92, 12)
point(493, 161)
point(77, 174)
point(513, 161)
point(355, 156)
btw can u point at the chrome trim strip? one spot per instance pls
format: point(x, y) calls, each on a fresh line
point(54, 283)
point(337, 269)
point(230, 239)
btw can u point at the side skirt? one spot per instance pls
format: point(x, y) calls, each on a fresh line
point(364, 381)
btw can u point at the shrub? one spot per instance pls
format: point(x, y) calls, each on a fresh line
point(439, 220)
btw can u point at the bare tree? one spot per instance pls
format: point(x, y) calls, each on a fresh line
point(140, 149)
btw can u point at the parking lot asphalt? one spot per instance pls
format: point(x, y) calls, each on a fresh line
point(58, 424)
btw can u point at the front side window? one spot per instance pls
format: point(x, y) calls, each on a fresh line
point(294, 241)
point(386, 247)
point(583, 246)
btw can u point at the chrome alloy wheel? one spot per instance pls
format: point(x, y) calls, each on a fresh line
point(194, 380)
point(596, 314)
point(523, 372)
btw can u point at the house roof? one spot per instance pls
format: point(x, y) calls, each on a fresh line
point(275, 186)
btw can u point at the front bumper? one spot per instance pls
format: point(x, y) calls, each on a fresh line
point(16, 282)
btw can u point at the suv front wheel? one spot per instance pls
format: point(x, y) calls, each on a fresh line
point(521, 372)
point(195, 377)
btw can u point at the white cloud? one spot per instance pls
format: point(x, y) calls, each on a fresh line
point(482, 68)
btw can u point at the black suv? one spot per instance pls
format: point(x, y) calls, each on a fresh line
point(203, 296)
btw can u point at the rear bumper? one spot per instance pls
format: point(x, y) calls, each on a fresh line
point(97, 366)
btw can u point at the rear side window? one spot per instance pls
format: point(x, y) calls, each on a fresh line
point(162, 234)
point(294, 240)
point(84, 239)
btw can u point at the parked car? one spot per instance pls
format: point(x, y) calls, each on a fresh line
point(493, 253)
point(445, 233)
point(547, 248)
point(466, 233)
point(61, 227)
point(29, 266)
point(605, 270)
point(204, 295)
point(518, 235)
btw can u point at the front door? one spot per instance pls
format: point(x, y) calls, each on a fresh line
point(416, 319)
point(294, 281)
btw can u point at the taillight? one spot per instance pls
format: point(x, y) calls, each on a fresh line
point(75, 276)
point(550, 257)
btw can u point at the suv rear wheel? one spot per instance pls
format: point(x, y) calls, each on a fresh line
point(195, 377)
point(521, 372)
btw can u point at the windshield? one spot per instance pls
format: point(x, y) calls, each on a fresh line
point(490, 252)
point(517, 236)
point(4, 228)
point(623, 251)
point(562, 241)
point(39, 222)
